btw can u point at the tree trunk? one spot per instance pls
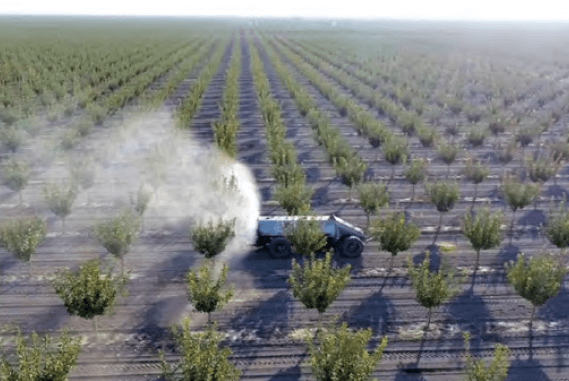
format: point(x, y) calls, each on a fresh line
point(392, 172)
point(477, 260)
point(475, 194)
point(96, 328)
point(367, 215)
point(20, 197)
point(122, 265)
point(30, 268)
point(391, 263)
point(531, 319)
point(429, 320)
point(413, 193)
point(63, 224)
point(512, 226)
point(448, 171)
point(209, 319)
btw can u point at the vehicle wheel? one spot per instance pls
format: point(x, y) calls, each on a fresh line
point(351, 247)
point(280, 248)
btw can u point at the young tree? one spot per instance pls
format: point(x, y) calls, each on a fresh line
point(118, 234)
point(483, 231)
point(476, 136)
point(201, 358)
point(83, 174)
point(447, 153)
point(143, 197)
point(205, 293)
point(317, 284)
point(497, 370)
point(343, 355)
point(542, 169)
point(295, 198)
point(525, 136)
point(11, 138)
point(475, 172)
point(394, 234)
point(373, 197)
point(88, 293)
point(497, 126)
point(427, 136)
point(432, 289)
point(15, 175)
point(22, 238)
point(506, 153)
point(306, 237)
point(39, 360)
point(287, 175)
point(60, 199)
point(443, 195)
point(518, 195)
point(352, 171)
point(415, 173)
point(210, 240)
point(557, 230)
point(536, 281)
point(395, 151)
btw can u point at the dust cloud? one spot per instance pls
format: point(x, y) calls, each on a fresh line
point(189, 181)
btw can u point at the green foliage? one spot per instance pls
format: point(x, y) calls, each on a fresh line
point(557, 230)
point(39, 360)
point(352, 170)
point(506, 153)
point(295, 198)
point(497, 370)
point(60, 198)
point(394, 234)
point(415, 173)
point(517, 194)
point(201, 358)
point(475, 171)
point(432, 288)
point(118, 234)
point(317, 284)
point(306, 236)
point(287, 175)
point(448, 152)
point(225, 135)
point(559, 151)
point(88, 293)
point(83, 172)
point(211, 239)
point(22, 237)
point(525, 136)
point(427, 136)
point(97, 113)
point(483, 231)
point(205, 293)
point(373, 197)
point(11, 138)
point(395, 151)
point(15, 174)
point(143, 197)
point(538, 280)
point(342, 355)
point(443, 195)
point(542, 169)
point(476, 136)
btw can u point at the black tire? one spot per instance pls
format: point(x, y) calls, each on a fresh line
point(279, 248)
point(351, 247)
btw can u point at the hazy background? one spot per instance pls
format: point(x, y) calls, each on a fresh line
point(422, 10)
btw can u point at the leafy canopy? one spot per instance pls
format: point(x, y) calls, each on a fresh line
point(60, 198)
point(306, 236)
point(432, 288)
point(317, 284)
point(373, 197)
point(557, 230)
point(517, 194)
point(39, 360)
point(22, 237)
point(88, 293)
point(483, 231)
point(415, 173)
point(210, 239)
point(443, 195)
point(497, 370)
point(295, 198)
point(205, 293)
point(394, 233)
point(342, 355)
point(117, 234)
point(538, 280)
point(201, 358)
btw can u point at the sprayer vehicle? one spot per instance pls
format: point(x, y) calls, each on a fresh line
point(345, 238)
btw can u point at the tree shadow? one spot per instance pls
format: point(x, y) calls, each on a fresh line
point(506, 254)
point(435, 257)
point(313, 174)
point(554, 311)
point(406, 374)
point(266, 193)
point(320, 197)
point(357, 263)
point(534, 218)
point(252, 158)
point(293, 373)
point(470, 313)
point(557, 191)
point(268, 318)
point(375, 312)
point(262, 266)
point(50, 321)
point(526, 370)
point(8, 261)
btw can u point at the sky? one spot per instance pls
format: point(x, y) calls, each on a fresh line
point(543, 10)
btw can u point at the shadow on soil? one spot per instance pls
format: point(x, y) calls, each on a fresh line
point(526, 370)
point(435, 257)
point(555, 310)
point(403, 375)
point(293, 373)
point(375, 312)
point(270, 318)
point(557, 191)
